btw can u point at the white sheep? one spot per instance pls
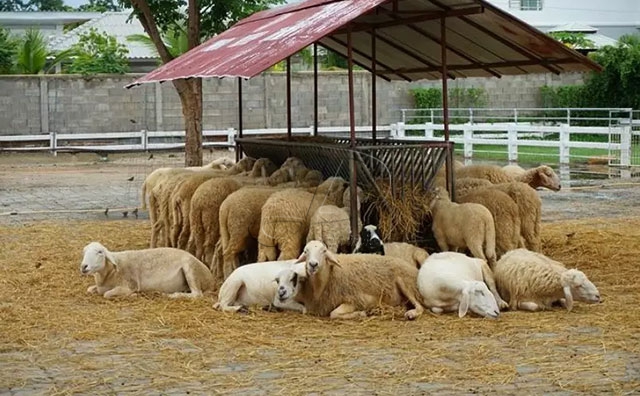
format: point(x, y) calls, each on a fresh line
point(463, 225)
point(255, 284)
point(332, 225)
point(451, 281)
point(345, 286)
point(166, 270)
point(531, 281)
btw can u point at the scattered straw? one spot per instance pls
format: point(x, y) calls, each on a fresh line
point(55, 339)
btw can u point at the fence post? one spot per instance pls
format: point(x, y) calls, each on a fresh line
point(468, 144)
point(512, 144)
point(400, 131)
point(310, 130)
point(564, 144)
point(428, 130)
point(53, 143)
point(231, 138)
point(144, 139)
point(393, 130)
point(625, 146)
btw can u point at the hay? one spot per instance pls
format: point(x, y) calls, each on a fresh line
point(54, 339)
point(399, 218)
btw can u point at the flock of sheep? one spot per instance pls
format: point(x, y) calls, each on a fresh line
point(269, 236)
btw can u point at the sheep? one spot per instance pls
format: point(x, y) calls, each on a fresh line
point(239, 222)
point(295, 172)
point(345, 286)
point(285, 218)
point(531, 281)
point(256, 284)
point(166, 270)
point(493, 173)
point(152, 179)
point(541, 176)
point(468, 183)
point(463, 225)
point(506, 217)
point(370, 242)
point(332, 225)
point(263, 167)
point(515, 171)
point(204, 216)
point(451, 281)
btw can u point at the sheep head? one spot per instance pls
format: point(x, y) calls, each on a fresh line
point(94, 258)
point(369, 241)
point(477, 298)
point(263, 167)
point(576, 285)
point(292, 162)
point(317, 256)
point(289, 280)
point(546, 177)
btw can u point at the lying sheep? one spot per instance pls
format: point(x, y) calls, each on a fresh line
point(284, 222)
point(531, 281)
point(166, 270)
point(332, 225)
point(253, 284)
point(463, 225)
point(345, 286)
point(451, 281)
point(515, 171)
point(506, 216)
point(370, 242)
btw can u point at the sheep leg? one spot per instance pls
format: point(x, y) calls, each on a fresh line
point(528, 306)
point(290, 305)
point(92, 289)
point(192, 281)
point(347, 311)
point(487, 276)
point(437, 310)
point(230, 260)
point(119, 291)
point(410, 295)
point(183, 236)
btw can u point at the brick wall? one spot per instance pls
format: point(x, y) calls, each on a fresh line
point(72, 104)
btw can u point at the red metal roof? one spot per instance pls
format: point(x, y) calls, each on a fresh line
point(481, 40)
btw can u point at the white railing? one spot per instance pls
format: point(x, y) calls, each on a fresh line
point(120, 141)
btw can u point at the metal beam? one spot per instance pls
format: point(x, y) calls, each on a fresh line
point(497, 65)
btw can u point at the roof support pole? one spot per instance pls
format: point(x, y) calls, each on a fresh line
point(374, 109)
point(238, 148)
point(354, 212)
point(288, 98)
point(445, 108)
point(315, 89)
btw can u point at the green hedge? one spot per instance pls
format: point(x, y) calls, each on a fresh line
point(431, 98)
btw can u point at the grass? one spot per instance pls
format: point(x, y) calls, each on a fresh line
point(532, 154)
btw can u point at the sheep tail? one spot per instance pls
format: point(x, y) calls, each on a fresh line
point(490, 244)
point(144, 195)
point(228, 292)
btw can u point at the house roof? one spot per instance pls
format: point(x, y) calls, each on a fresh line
point(590, 33)
point(34, 18)
point(482, 41)
point(115, 24)
point(574, 27)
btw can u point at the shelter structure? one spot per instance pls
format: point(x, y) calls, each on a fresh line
point(393, 39)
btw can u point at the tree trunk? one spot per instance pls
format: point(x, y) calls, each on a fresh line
point(192, 112)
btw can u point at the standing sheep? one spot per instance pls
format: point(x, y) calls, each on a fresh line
point(165, 270)
point(285, 218)
point(531, 281)
point(541, 176)
point(345, 286)
point(451, 281)
point(467, 225)
point(515, 171)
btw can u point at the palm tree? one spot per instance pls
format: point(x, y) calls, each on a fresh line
point(175, 39)
point(33, 57)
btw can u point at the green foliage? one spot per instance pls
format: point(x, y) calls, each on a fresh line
point(332, 60)
point(429, 98)
point(8, 48)
point(175, 39)
point(564, 96)
point(33, 57)
point(573, 39)
point(34, 5)
point(99, 53)
point(100, 6)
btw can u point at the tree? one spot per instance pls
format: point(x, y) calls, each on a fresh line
point(175, 39)
point(33, 57)
point(205, 18)
point(98, 52)
point(574, 40)
point(8, 48)
point(100, 6)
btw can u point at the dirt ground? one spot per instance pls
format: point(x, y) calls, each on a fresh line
point(55, 339)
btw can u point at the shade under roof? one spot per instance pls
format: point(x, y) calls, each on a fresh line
point(481, 41)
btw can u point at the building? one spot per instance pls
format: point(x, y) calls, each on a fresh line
point(611, 18)
point(50, 24)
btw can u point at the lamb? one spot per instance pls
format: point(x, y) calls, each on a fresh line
point(332, 225)
point(542, 176)
point(166, 270)
point(239, 223)
point(506, 217)
point(515, 171)
point(345, 286)
point(467, 225)
point(286, 215)
point(370, 242)
point(451, 281)
point(204, 216)
point(253, 284)
point(531, 281)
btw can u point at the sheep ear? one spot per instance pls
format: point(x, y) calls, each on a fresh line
point(332, 258)
point(568, 297)
point(302, 258)
point(463, 307)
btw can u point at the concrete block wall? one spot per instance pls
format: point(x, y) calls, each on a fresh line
point(73, 104)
